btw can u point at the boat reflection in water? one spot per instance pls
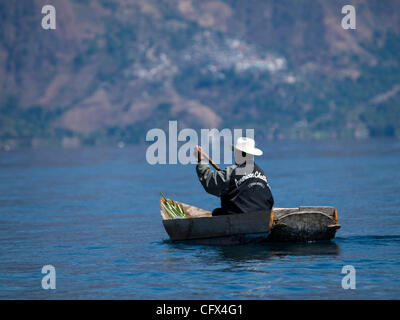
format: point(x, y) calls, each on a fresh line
point(265, 251)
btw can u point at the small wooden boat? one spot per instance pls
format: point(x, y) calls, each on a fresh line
point(281, 224)
point(200, 227)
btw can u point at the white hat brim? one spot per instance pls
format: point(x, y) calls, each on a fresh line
point(253, 151)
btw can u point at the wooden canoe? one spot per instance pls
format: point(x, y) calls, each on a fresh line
point(283, 224)
point(201, 227)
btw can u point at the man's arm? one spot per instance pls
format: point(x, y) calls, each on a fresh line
point(214, 182)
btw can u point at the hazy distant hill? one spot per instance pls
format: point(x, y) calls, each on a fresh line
point(114, 69)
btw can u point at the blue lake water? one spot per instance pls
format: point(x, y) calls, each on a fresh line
point(93, 213)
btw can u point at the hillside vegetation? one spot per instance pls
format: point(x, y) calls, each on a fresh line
point(114, 69)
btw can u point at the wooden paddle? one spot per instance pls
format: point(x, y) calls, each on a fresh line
point(205, 155)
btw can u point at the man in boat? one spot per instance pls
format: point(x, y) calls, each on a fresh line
point(243, 186)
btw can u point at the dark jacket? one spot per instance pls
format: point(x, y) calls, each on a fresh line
point(239, 193)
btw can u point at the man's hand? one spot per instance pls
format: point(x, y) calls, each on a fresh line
point(199, 152)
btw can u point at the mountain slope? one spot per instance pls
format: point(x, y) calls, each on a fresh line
point(112, 70)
